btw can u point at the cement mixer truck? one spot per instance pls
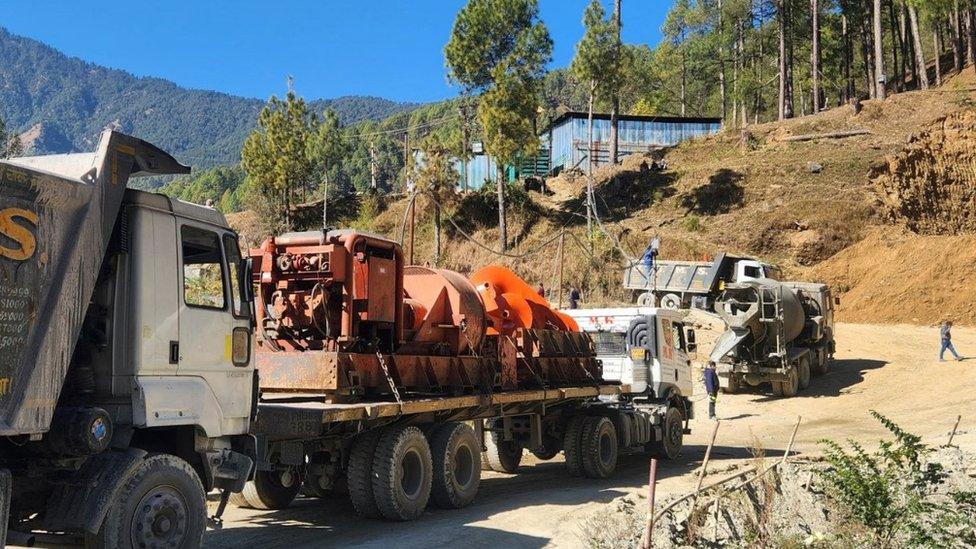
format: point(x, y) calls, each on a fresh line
point(780, 333)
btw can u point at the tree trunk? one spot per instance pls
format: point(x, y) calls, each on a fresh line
point(615, 109)
point(921, 75)
point(590, 163)
point(502, 226)
point(895, 46)
point(684, 101)
point(879, 69)
point(437, 234)
point(743, 116)
point(970, 43)
point(956, 24)
point(721, 64)
point(815, 55)
point(868, 63)
point(937, 42)
point(783, 62)
point(848, 56)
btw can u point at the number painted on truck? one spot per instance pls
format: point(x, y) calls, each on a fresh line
point(13, 228)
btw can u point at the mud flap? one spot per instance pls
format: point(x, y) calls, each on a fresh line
point(83, 500)
point(5, 493)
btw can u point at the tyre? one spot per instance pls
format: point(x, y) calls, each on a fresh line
point(359, 474)
point(571, 445)
point(274, 489)
point(803, 372)
point(672, 437)
point(162, 504)
point(792, 383)
point(402, 473)
point(777, 388)
point(671, 301)
point(551, 446)
point(598, 447)
point(503, 456)
point(645, 299)
point(455, 451)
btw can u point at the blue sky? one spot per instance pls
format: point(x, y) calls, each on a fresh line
point(387, 48)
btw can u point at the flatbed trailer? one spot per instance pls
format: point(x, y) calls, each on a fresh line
point(350, 450)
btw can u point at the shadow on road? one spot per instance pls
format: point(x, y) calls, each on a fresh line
point(841, 374)
point(331, 523)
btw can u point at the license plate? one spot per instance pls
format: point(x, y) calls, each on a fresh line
point(637, 353)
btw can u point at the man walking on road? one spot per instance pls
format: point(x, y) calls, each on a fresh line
point(946, 332)
point(711, 387)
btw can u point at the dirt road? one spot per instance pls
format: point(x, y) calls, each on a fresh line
point(891, 369)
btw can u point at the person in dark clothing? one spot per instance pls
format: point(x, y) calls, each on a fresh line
point(711, 387)
point(541, 290)
point(574, 298)
point(946, 332)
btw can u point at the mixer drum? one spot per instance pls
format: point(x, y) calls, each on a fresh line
point(443, 302)
point(739, 306)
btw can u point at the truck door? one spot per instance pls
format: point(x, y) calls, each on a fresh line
point(215, 335)
point(674, 356)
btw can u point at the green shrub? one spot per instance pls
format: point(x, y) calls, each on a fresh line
point(894, 492)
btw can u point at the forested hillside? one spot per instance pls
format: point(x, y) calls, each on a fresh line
point(61, 104)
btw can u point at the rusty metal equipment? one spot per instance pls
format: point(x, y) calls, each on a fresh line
point(339, 313)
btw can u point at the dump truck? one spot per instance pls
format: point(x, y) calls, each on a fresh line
point(145, 361)
point(692, 284)
point(777, 332)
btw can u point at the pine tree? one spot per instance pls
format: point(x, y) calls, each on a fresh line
point(499, 48)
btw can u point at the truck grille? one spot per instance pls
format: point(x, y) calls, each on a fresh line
point(609, 343)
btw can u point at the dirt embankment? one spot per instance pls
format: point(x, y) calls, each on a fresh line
point(930, 186)
point(902, 277)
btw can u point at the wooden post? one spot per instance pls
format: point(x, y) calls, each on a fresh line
point(704, 467)
point(789, 446)
point(648, 540)
point(952, 435)
point(562, 237)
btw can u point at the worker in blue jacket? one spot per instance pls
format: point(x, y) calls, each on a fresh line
point(711, 387)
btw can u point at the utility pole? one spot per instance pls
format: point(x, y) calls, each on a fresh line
point(615, 108)
point(372, 166)
point(464, 145)
point(559, 303)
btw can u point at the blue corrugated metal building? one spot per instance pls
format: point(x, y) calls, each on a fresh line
point(568, 136)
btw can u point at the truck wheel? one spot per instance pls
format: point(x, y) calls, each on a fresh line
point(402, 473)
point(274, 489)
point(645, 299)
point(803, 372)
point(671, 301)
point(672, 435)
point(572, 445)
point(790, 387)
point(457, 467)
point(777, 388)
point(161, 505)
point(599, 447)
point(502, 456)
point(359, 474)
point(550, 447)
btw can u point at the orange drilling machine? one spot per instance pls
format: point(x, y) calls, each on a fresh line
point(339, 313)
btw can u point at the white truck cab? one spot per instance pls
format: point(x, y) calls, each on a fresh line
point(750, 269)
point(652, 362)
